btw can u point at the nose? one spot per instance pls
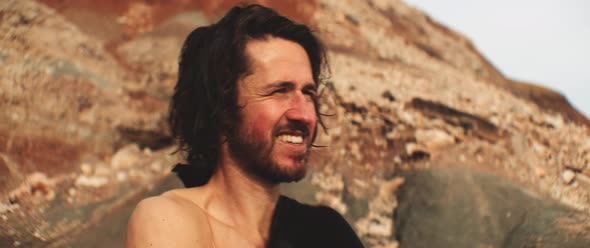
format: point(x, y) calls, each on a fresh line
point(302, 109)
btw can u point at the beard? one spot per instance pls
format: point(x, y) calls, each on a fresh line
point(256, 157)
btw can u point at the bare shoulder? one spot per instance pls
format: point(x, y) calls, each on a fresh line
point(168, 220)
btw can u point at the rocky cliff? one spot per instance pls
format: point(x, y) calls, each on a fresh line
point(414, 111)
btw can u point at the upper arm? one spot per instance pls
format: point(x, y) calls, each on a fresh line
point(162, 222)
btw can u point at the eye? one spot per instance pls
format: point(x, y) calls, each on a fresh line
point(310, 93)
point(280, 90)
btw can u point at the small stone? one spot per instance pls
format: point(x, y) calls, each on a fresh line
point(102, 170)
point(324, 109)
point(554, 120)
point(434, 138)
point(50, 195)
point(4, 217)
point(391, 135)
point(332, 183)
point(575, 166)
point(72, 191)
point(8, 208)
point(126, 157)
point(36, 234)
point(360, 183)
point(539, 148)
point(92, 181)
point(86, 169)
point(380, 227)
point(29, 15)
point(568, 176)
point(390, 244)
point(39, 182)
point(357, 118)
point(14, 116)
point(156, 167)
point(121, 176)
point(16, 243)
point(380, 142)
point(540, 172)
point(336, 132)
point(479, 158)
point(355, 150)
point(147, 151)
point(413, 148)
point(407, 117)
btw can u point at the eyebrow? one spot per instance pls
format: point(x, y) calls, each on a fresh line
point(290, 84)
point(311, 86)
point(282, 84)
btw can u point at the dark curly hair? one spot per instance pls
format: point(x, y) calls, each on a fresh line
point(212, 61)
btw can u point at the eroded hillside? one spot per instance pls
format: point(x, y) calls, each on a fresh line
point(84, 87)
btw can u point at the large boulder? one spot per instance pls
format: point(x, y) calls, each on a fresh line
point(458, 207)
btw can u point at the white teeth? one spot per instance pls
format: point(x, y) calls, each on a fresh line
point(291, 139)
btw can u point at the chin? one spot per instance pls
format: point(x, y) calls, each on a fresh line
point(287, 171)
point(293, 177)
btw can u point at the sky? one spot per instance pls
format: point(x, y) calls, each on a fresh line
point(545, 42)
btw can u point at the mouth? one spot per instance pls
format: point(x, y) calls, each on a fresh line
point(290, 138)
point(294, 144)
point(294, 134)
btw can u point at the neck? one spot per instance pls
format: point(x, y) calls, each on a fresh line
point(240, 200)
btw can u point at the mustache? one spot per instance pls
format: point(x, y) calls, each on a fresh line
point(293, 126)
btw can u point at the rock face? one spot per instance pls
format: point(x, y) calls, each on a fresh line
point(83, 101)
point(482, 210)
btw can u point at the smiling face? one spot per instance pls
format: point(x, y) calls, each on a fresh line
point(277, 115)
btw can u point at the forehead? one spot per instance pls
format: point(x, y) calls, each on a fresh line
point(279, 59)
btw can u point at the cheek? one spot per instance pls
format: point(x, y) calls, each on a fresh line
point(258, 129)
point(259, 121)
point(311, 112)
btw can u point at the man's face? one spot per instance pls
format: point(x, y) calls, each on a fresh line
point(277, 116)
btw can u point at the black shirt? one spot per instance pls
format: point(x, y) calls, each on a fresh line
point(300, 225)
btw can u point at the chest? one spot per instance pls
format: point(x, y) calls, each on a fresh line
point(225, 236)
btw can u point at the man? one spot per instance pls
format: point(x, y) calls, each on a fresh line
point(245, 113)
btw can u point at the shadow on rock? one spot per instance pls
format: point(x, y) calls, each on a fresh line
point(462, 208)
